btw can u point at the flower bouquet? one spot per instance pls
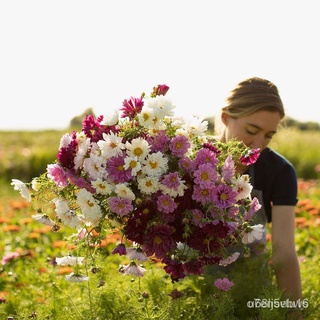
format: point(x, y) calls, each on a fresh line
point(171, 189)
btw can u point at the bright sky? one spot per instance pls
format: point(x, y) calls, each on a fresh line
point(58, 58)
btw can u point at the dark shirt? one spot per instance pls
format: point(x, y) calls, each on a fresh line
point(276, 178)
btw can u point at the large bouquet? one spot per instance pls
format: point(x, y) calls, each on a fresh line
point(170, 189)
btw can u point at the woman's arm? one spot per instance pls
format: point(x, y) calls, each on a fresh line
point(284, 257)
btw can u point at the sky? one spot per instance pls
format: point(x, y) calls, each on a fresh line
point(59, 58)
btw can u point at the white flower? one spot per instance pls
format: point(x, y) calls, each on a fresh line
point(111, 119)
point(95, 167)
point(155, 164)
point(196, 127)
point(35, 184)
point(22, 188)
point(44, 219)
point(67, 216)
point(123, 191)
point(102, 187)
point(111, 146)
point(242, 186)
point(81, 153)
point(132, 269)
point(133, 164)
point(89, 206)
point(146, 117)
point(149, 184)
point(138, 148)
point(254, 233)
point(76, 277)
point(69, 261)
point(65, 140)
point(161, 106)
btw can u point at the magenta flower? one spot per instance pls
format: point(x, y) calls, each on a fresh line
point(57, 174)
point(205, 176)
point(158, 142)
point(224, 196)
point(116, 170)
point(121, 206)
point(179, 145)
point(166, 204)
point(171, 180)
point(205, 155)
point(251, 157)
point(131, 107)
point(223, 284)
point(187, 164)
point(253, 208)
point(160, 89)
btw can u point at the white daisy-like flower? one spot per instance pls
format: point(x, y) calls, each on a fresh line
point(195, 126)
point(148, 184)
point(138, 147)
point(102, 187)
point(162, 106)
point(22, 188)
point(44, 219)
point(254, 233)
point(111, 146)
point(132, 269)
point(123, 191)
point(67, 216)
point(146, 117)
point(111, 119)
point(65, 140)
point(133, 164)
point(232, 258)
point(136, 254)
point(81, 153)
point(35, 184)
point(89, 206)
point(155, 165)
point(69, 261)
point(242, 187)
point(95, 167)
point(76, 277)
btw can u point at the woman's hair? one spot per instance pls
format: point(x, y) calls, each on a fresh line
point(249, 96)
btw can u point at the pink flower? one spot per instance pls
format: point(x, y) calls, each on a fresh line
point(166, 204)
point(121, 206)
point(251, 157)
point(160, 89)
point(179, 145)
point(223, 284)
point(131, 107)
point(224, 196)
point(9, 257)
point(116, 170)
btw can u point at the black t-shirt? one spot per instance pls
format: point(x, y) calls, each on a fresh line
point(276, 178)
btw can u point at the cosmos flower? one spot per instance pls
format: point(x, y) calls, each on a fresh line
point(170, 189)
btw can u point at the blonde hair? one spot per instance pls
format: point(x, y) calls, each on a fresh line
point(249, 96)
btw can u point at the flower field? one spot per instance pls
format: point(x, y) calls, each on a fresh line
point(32, 286)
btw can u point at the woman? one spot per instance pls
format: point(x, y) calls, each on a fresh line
point(253, 114)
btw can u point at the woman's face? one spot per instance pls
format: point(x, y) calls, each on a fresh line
point(255, 130)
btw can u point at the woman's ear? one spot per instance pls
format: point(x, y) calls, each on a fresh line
point(224, 118)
